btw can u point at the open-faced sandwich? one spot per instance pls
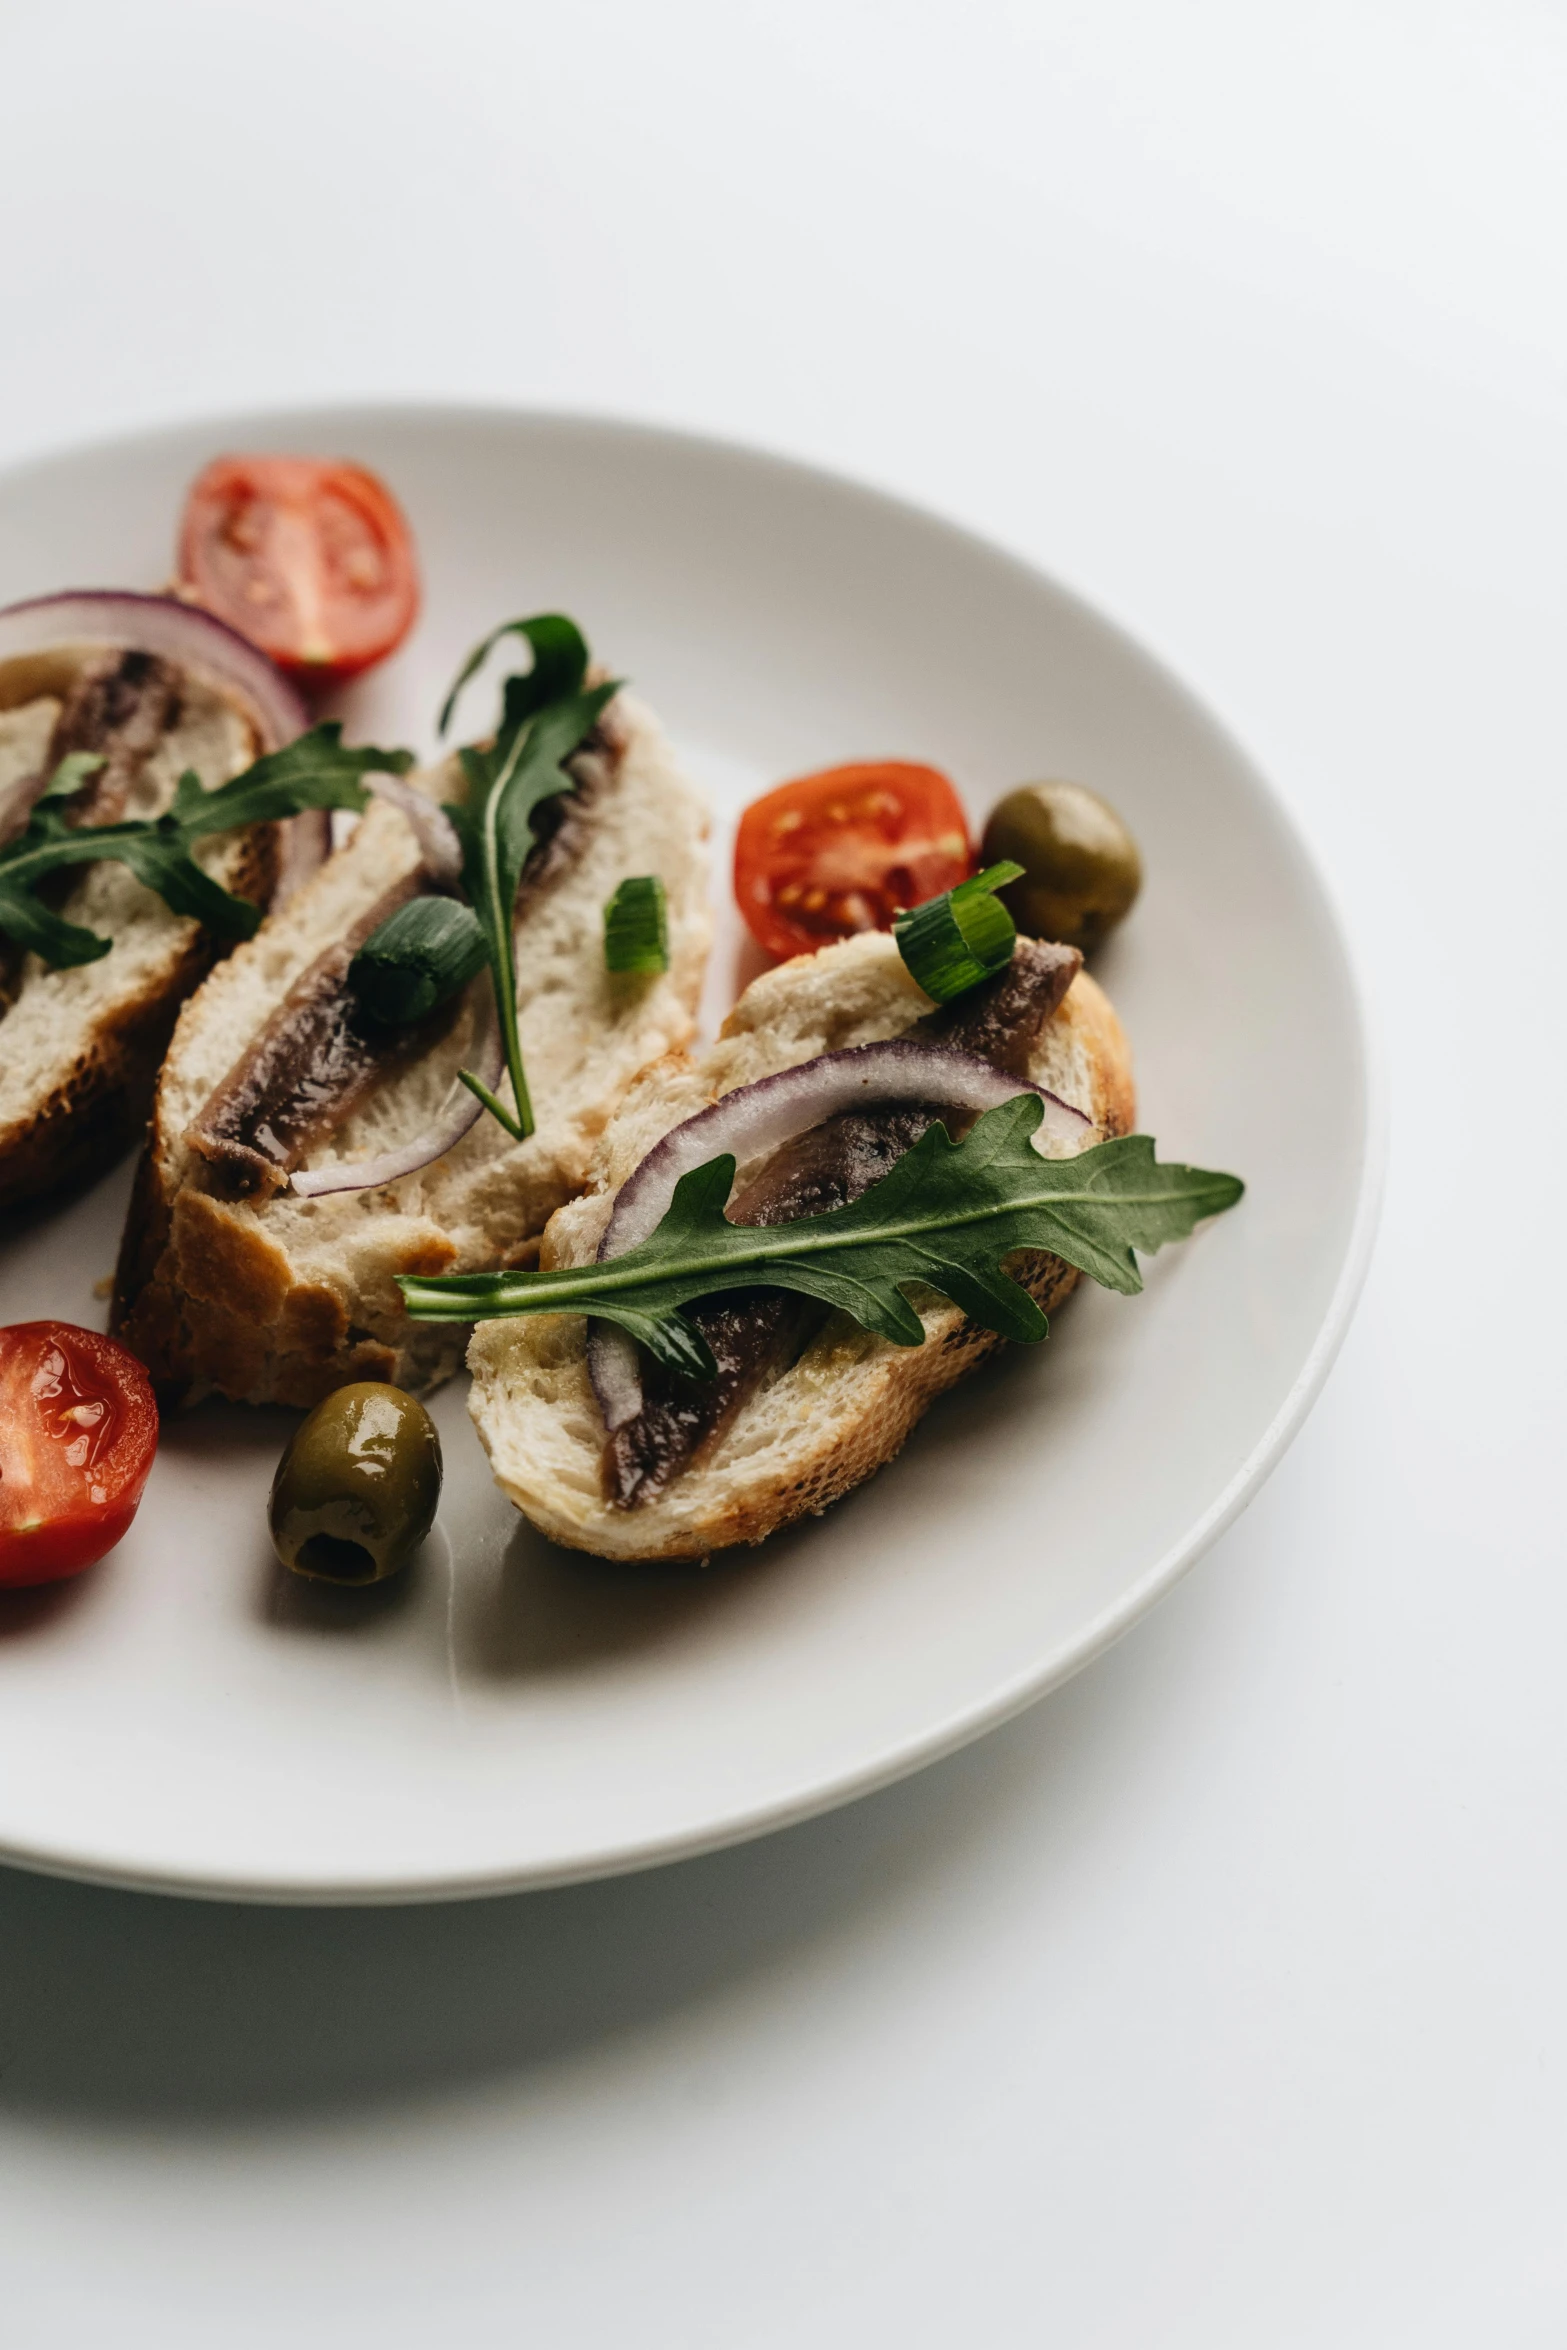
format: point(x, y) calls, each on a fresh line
point(346, 1100)
point(110, 912)
point(799, 1237)
point(828, 1071)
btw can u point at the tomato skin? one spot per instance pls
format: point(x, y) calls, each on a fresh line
point(844, 850)
point(312, 559)
point(78, 1431)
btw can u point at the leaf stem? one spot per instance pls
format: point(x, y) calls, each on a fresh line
point(627, 1273)
point(87, 847)
point(496, 1108)
point(506, 1005)
point(574, 1289)
point(503, 962)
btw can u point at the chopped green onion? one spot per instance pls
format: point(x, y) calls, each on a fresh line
point(953, 942)
point(418, 957)
point(72, 772)
point(636, 926)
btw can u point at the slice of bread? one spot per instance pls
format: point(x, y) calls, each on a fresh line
point(849, 1402)
point(280, 1300)
point(80, 1049)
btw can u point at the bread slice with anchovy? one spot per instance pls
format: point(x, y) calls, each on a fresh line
point(275, 1298)
point(845, 1406)
point(80, 1048)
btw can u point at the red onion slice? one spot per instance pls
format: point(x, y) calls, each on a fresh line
point(197, 642)
point(17, 802)
point(460, 1111)
point(182, 633)
point(307, 838)
point(432, 828)
point(760, 1118)
point(307, 844)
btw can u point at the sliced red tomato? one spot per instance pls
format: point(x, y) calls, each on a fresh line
point(78, 1429)
point(830, 854)
point(309, 558)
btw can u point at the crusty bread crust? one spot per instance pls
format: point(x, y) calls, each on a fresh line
point(848, 1404)
point(80, 1049)
point(281, 1300)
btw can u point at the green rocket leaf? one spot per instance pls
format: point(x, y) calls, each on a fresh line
point(314, 772)
point(947, 1215)
point(546, 716)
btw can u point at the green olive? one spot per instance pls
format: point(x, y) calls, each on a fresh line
point(1081, 869)
point(355, 1493)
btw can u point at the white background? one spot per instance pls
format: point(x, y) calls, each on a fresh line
point(1220, 2000)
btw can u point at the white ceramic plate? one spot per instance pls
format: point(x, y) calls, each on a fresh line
point(187, 1717)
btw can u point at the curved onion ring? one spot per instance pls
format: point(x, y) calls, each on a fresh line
point(458, 1112)
point(432, 828)
point(197, 642)
point(161, 624)
point(760, 1118)
point(16, 804)
point(307, 844)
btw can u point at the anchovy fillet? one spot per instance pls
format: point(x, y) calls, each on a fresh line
point(756, 1333)
point(308, 1068)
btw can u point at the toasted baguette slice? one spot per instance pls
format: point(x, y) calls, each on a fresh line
point(850, 1400)
point(280, 1300)
point(79, 1049)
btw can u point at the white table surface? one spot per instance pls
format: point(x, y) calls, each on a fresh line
point(1219, 2001)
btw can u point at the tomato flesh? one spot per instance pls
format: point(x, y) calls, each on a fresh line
point(310, 558)
point(831, 854)
point(78, 1430)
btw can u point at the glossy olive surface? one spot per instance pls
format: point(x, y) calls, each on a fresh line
point(1081, 867)
point(355, 1493)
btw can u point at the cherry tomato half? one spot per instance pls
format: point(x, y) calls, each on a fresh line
point(309, 558)
point(830, 854)
point(78, 1429)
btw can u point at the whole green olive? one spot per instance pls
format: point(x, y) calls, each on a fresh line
point(355, 1493)
point(1081, 869)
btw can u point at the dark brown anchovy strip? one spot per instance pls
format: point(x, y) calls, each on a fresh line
point(120, 707)
point(1000, 1022)
point(755, 1333)
point(302, 1073)
point(320, 1052)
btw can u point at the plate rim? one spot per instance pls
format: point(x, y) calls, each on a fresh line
point(958, 1728)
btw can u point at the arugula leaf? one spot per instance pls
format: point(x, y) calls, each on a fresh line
point(314, 772)
point(34, 926)
point(947, 1215)
point(546, 716)
point(560, 660)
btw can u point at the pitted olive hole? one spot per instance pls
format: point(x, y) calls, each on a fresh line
point(336, 1560)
